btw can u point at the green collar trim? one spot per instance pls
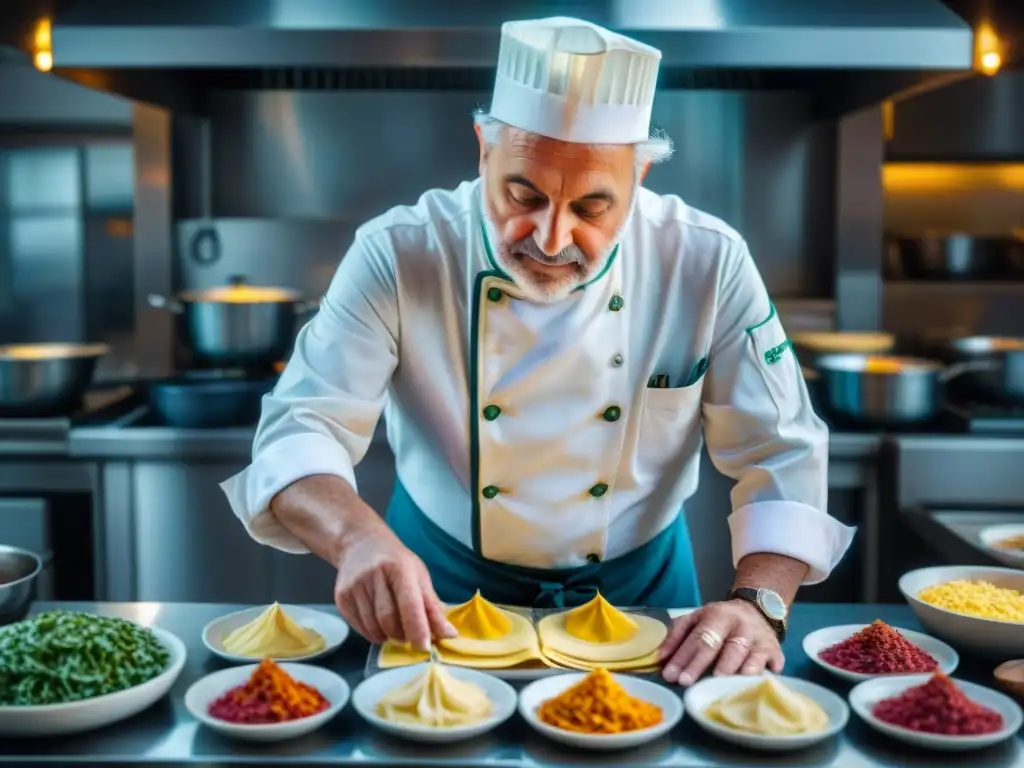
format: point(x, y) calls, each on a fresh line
point(501, 273)
point(755, 326)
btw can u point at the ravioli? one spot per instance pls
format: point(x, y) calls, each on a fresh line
point(487, 630)
point(273, 634)
point(599, 633)
point(394, 654)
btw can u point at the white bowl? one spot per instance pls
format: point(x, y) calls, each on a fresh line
point(90, 714)
point(994, 533)
point(207, 690)
point(536, 693)
point(709, 690)
point(866, 695)
point(333, 629)
point(372, 689)
point(818, 641)
point(984, 636)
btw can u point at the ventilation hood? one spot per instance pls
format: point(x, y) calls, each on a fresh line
point(176, 52)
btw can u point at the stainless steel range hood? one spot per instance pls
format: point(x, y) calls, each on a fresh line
point(154, 48)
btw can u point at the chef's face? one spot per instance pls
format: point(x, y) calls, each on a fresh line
point(557, 209)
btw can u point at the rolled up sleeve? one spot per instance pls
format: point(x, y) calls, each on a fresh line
point(320, 417)
point(761, 430)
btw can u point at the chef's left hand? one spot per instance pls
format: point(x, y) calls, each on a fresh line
point(732, 635)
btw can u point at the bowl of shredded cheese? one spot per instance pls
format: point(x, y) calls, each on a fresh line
point(1005, 543)
point(974, 608)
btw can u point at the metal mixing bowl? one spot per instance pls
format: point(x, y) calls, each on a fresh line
point(19, 574)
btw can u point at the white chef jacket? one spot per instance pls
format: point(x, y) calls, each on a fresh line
point(528, 431)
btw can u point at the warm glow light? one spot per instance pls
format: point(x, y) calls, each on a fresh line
point(936, 178)
point(43, 56)
point(990, 62)
point(43, 61)
point(988, 49)
point(42, 34)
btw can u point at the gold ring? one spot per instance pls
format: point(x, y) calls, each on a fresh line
point(710, 638)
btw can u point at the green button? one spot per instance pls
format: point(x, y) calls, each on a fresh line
point(491, 412)
point(597, 491)
point(612, 413)
point(616, 303)
point(490, 491)
point(494, 294)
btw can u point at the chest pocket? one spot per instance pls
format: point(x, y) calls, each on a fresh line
point(777, 366)
point(669, 419)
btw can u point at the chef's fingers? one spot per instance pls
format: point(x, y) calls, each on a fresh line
point(756, 661)
point(700, 648)
point(680, 626)
point(734, 653)
point(411, 609)
point(776, 661)
point(369, 626)
point(385, 609)
point(436, 614)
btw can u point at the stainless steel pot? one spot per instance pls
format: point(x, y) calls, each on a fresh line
point(997, 367)
point(951, 257)
point(237, 324)
point(19, 576)
point(884, 390)
point(46, 379)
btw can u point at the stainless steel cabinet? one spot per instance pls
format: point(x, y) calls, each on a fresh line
point(187, 545)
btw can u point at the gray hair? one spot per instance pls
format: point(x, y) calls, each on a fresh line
point(655, 149)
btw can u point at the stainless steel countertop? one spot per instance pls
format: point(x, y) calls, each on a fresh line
point(166, 734)
point(236, 443)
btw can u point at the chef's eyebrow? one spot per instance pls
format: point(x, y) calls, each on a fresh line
point(604, 195)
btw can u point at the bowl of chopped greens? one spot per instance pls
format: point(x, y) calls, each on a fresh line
point(65, 672)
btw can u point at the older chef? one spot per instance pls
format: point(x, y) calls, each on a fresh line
point(551, 344)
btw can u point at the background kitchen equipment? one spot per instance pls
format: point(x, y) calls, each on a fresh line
point(953, 257)
point(237, 324)
point(46, 379)
point(19, 570)
point(885, 390)
point(207, 399)
point(997, 368)
point(810, 345)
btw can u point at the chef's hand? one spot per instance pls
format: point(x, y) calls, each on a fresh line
point(383, 590)
point(733, 635)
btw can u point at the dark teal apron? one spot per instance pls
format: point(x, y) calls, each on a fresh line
point(659, 574)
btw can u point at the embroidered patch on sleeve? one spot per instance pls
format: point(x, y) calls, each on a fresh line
point(774, 355)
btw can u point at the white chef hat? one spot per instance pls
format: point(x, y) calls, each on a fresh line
point(574, 81)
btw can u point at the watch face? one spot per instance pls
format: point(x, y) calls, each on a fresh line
point(772, 604)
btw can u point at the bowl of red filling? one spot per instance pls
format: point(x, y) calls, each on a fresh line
point(857, 652)
point(936, 711)
point(267, 701)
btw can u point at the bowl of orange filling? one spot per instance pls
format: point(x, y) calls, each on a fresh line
point(600, 710)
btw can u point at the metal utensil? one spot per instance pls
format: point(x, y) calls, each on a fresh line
point(237, 324)
point(46, 379)
point(19, 574)
point(884, 390)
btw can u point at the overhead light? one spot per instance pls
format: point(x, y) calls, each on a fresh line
point(43, 61)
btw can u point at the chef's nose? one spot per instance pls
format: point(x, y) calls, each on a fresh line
point(554, 233)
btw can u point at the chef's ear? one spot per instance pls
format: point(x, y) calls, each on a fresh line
point(643, 172)
point(483, 147)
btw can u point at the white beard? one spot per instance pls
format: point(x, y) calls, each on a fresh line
point(541, 291)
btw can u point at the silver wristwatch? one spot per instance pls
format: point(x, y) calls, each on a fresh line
point(769, 603)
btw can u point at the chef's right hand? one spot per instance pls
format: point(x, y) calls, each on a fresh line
point(383, 590)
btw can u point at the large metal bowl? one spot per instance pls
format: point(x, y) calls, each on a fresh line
point(19, 575)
